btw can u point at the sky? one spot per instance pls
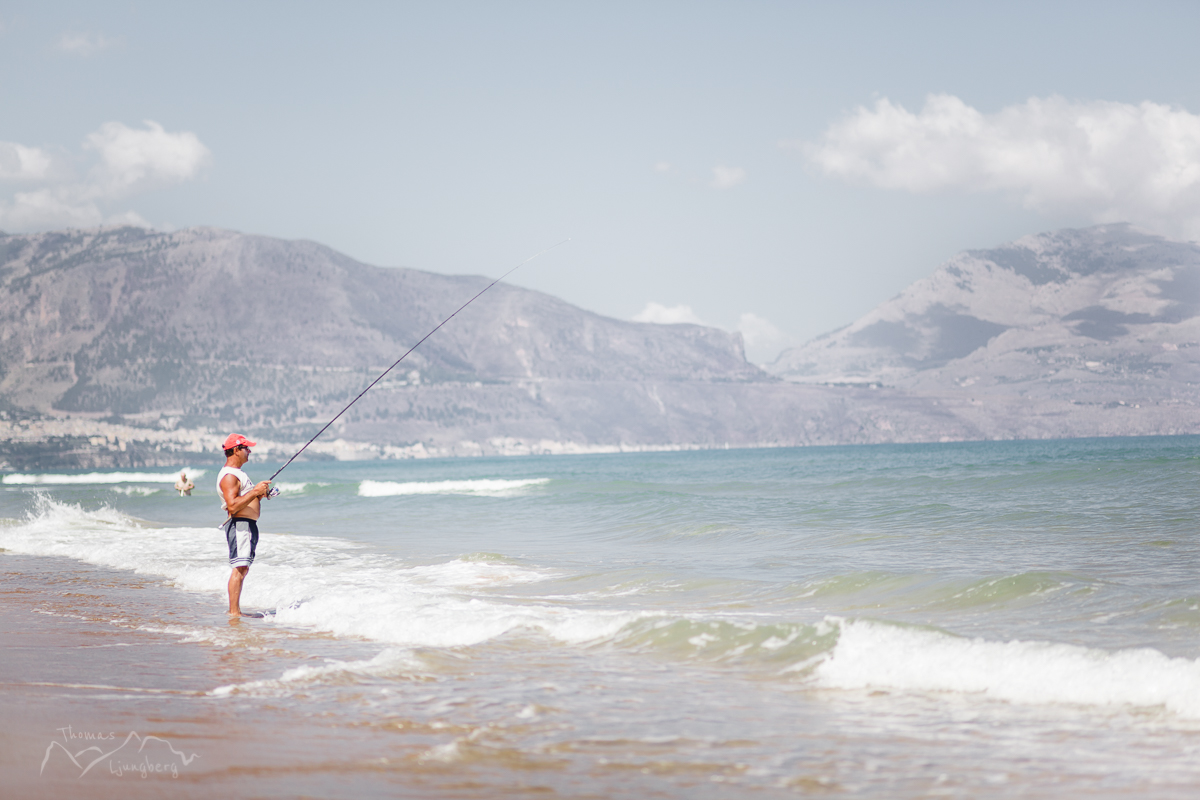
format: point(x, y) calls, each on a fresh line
point(777, 168)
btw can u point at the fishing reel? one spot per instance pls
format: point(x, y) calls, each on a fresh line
point(273, 492)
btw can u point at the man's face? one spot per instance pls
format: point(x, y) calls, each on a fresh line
point(245, 451)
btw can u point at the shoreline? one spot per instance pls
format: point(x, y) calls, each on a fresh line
point(461, 646)
point(74, 443)
point(81, 670)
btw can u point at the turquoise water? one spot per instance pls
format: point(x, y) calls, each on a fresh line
point(977, 619)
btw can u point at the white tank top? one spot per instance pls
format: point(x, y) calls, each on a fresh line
point(241, 476)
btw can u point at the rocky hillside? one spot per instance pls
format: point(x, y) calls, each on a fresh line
point(213, 325)
point(123, 346)
point(1105, 316)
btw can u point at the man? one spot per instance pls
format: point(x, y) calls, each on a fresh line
point(241, 500)
point(184, 485)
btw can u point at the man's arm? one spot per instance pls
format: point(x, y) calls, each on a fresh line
point(229, 490)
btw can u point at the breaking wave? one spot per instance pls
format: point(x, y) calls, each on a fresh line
point(93, 478)
point(335, 586)
point(320, 583)
point(883, 656)
point(485, 487)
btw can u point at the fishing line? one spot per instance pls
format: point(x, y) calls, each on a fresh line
point(406, 354)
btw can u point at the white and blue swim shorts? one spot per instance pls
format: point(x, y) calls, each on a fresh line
point(242, 536)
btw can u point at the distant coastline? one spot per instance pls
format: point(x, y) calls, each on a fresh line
point(1071, 334)
point(75, 443)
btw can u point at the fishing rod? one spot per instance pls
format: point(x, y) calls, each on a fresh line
point(406, 354)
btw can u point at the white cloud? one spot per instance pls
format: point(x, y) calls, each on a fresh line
point(57, 207)
point(662, 167)
point(132, 159)
point(657, 312)
point(128, 160)
point(727, 177)
point(1104, 160)
point(763, 340)
point(21, 163)
point(85, 44)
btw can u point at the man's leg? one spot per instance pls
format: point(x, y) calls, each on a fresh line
point(236, 576)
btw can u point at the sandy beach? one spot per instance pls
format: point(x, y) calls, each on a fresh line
point(1001, 620)
point(80, 671)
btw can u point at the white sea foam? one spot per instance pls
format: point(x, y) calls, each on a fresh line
point(47, 479)
point(395, 606)
point(870, 654)
point(320, 583)
point(109, 538)
point(218, 636)
point(487, 487)
point(461, 573)
point(294, 488)
point(390, 662)
point(139, 491)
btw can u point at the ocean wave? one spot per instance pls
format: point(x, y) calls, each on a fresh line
point(884, 656)
point(138, 491)
point(914, 591)
point(397, 610)
point(92, 478)
point(391, 663)
point(486, 487)
point(853, 584)
point(1011, 588)
point(467, 571)
point(728, 641)
point(319, 583)
point(190, 557)
point(285, 487)
point(335, 586)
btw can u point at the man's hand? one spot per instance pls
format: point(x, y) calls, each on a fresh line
point(263, 488)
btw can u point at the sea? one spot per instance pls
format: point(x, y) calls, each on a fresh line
point(980, 619)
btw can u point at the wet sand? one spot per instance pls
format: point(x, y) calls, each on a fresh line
point(75, 665)
point(902, 644)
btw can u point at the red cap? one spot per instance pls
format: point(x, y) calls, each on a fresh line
point(235, 439)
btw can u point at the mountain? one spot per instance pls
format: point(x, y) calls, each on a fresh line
point(1110, 290)
point(1054, 323)
point(128, 321)
point(211, 329)
point(121, 346)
